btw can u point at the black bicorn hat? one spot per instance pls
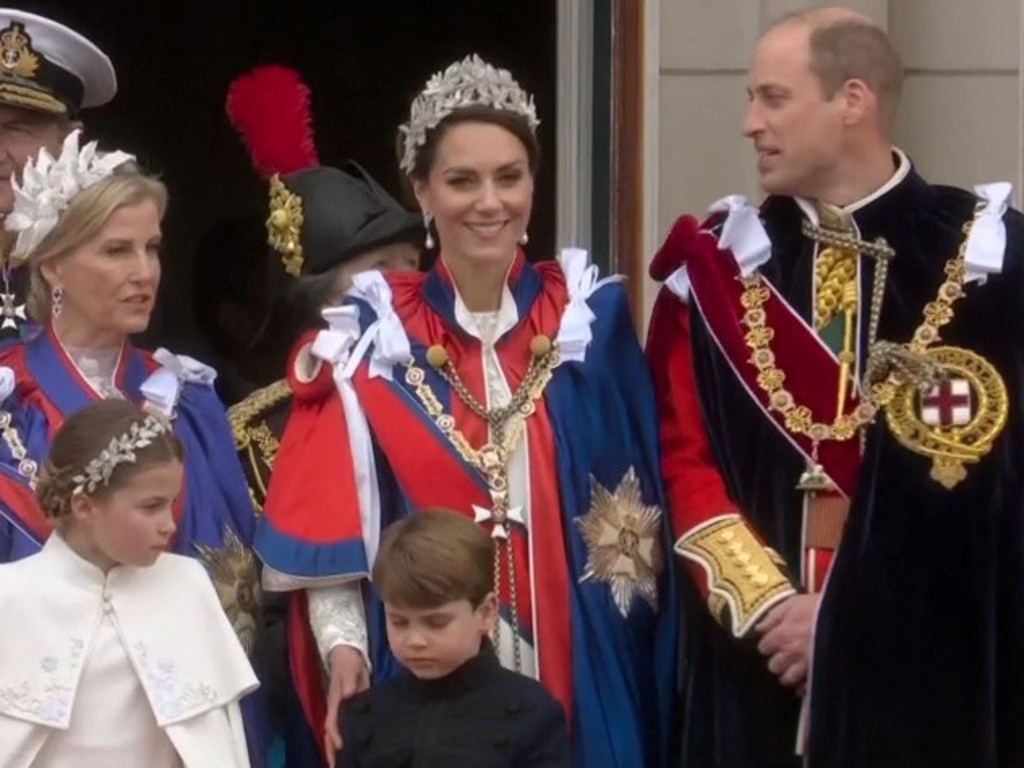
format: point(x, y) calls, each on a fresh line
point(320, 216)
point(345, 213)
point(48, 67)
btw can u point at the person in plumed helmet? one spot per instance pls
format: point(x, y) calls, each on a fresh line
point(49, 73)
point(325, 225)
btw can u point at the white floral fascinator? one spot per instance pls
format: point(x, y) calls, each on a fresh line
point(47, 186)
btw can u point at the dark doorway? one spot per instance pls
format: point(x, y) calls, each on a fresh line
point(363, 60)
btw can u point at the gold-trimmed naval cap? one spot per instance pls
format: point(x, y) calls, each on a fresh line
point(48, 67)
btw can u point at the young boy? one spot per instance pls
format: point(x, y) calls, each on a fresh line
point(454, 704)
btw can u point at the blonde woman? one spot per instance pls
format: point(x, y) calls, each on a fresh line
point(88, 227)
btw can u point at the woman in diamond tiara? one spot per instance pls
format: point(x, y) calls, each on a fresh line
point(514, 393)
point(88, 226)
point(116, 653)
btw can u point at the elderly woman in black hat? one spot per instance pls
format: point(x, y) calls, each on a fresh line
point(350, 225)
point(326, 225)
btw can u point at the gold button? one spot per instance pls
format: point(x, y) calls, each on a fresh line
point(437, 356)
point(540, 345)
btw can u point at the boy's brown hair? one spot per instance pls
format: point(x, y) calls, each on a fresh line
point(434, 557)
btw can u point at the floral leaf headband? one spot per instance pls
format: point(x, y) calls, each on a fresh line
point(47, 186)
point(120, 450)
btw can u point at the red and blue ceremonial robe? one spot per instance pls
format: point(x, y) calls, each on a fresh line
point(605, 646)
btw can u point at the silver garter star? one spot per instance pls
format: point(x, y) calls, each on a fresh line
point(623, 538)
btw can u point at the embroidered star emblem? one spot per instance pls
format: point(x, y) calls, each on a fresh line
point(623, 538)
point(233, 570)
point(501, 521)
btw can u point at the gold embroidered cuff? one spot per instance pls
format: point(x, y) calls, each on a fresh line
point(744, 576)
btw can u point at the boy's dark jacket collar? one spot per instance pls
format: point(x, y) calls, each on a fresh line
point(461, 680)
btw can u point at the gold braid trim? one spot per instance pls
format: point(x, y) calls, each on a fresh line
point(254, 439)
point(31, 98)
point(241, 415)
point(745, 577)
point(834, 270)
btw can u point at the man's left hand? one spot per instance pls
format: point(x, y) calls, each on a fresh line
point(786, 638)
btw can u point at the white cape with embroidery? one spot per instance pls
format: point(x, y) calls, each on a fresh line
point(64, 621)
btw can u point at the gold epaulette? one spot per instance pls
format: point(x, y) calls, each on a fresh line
point(745, 578)
point(241, 415)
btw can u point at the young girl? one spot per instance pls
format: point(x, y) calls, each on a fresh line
point(114, 652)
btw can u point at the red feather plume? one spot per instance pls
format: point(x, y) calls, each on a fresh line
point(269, 107)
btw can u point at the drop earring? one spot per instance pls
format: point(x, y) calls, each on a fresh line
point(427, 219)
point(56, 301)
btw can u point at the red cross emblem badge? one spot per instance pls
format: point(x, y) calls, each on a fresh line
point(948, 404)
point(956, 420)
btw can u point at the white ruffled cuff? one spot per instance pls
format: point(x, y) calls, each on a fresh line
point(337, 617)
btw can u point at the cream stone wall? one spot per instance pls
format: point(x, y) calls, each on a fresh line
point(962, 118)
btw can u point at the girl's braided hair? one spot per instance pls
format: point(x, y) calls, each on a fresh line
point(98, 449)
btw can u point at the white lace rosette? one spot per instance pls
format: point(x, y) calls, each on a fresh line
point(47, 186)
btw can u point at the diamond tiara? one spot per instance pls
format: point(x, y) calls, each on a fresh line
point(467, 83)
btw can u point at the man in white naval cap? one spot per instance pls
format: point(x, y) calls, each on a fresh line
point(48, 74)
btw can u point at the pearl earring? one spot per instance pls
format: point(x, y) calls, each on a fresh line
point(427, 219)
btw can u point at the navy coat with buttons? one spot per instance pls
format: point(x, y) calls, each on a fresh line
point(479, 716)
